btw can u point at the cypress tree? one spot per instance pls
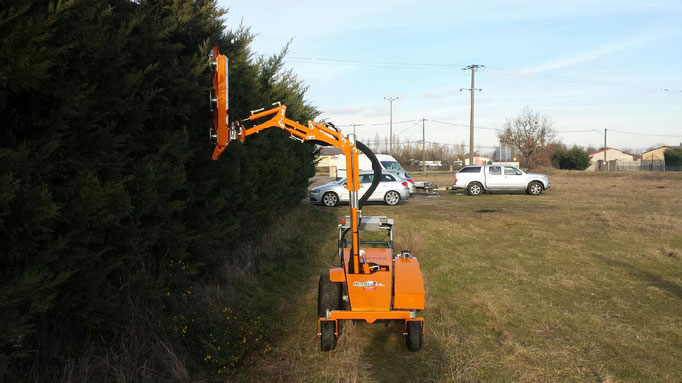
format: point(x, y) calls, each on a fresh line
point(105, 173)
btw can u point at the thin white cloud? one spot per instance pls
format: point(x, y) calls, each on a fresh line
point(440, 93)
point(587, 56)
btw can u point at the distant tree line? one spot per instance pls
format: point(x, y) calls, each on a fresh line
point(106, 182)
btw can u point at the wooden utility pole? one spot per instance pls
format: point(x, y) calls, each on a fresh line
point(390, 122)
point(605, 165)
point(423, 147)
point(473, 69)
point(354, 125)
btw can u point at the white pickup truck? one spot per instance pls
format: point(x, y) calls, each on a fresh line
point(497, 177)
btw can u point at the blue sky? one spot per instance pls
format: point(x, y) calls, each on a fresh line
point(586, 64)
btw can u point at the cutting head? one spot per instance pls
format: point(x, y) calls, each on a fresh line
point(219, 106)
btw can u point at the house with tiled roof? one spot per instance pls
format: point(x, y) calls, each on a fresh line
point(612, 154)
point(657, 153)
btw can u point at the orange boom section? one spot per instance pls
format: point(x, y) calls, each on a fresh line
point(225, 130)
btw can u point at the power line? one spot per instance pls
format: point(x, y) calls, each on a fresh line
point(377, 124)
point(576, 131)
point(443, 144)
point(373, 63)
point(463, 125)
point(506, 72)
point(414, 121)
point(647, 134)
point(405, 130)
point(530, 74)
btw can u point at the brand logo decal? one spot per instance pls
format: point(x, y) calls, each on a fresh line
point(369, 285)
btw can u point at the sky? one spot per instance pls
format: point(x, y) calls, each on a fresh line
point(588, 65)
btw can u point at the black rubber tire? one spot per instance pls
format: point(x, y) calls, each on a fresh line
point(535, 188)
point(329, 297)
point(328, 339)
point(392, 198)
point(329, 199)
point(474, 189)
point(414, 336)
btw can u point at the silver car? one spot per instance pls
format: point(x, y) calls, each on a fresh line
point(391, 190)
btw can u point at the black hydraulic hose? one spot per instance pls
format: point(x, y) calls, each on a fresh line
point(376, 166)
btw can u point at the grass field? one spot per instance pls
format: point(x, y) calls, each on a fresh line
point(582, 283)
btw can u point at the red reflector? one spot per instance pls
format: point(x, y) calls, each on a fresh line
point(404, 183)
point(343, 221)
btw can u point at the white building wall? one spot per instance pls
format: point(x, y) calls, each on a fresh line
point(611, 155)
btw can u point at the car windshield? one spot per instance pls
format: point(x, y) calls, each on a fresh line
point(392, 165)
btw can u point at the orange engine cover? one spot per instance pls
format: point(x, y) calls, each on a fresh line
point(409, 285)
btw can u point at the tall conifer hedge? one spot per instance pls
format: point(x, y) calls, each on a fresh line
point(105, 174)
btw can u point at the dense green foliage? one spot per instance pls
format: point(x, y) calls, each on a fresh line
point(105, 179)
point(571, 159)
point(673, 157)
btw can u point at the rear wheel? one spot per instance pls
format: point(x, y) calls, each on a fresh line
point(392, 198)
point(474, 188)
point(414, 335)
point(535, 188)
point(328, 298)
point(330, 199)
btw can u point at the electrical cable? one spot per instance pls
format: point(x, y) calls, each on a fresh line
point(505, 72)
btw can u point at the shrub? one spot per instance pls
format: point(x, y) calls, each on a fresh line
point(573, 159)
point(673, 157)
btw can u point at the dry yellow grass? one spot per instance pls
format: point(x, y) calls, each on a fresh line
point(582, 283)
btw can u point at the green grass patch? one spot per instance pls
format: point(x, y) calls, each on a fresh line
point(577, 284)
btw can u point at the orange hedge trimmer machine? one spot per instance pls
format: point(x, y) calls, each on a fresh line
point(371, 284)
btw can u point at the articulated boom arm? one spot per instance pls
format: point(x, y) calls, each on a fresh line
point(320, 132)
point(223, 130)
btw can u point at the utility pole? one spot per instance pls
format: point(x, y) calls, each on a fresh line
point(423, 147)
point(390, 123)
point(473, 69)
point(354, 125)
point(605, 165)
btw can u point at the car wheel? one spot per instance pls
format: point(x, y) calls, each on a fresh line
point(414, 336)
point(392, 198)
point(535, 188)
point(330, 199)
point(474, 188)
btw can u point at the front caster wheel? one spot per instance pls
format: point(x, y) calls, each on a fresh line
point(414, 336)
point(328, 338)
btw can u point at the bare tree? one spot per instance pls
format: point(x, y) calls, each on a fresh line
point(527, 132)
